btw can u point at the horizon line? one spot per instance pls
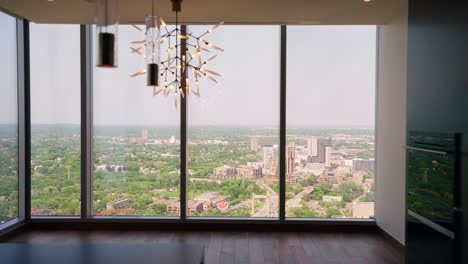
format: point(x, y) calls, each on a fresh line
point(207, 125)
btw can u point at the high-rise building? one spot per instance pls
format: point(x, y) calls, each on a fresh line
point(144, 134)
point(269, 152)
point(327, 157)
point(254, 144)
point(272, 168)
point(322, 143)
point(312, 146)
point(290, 157)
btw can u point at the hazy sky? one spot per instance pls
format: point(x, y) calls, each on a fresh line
point(331, 75)
point(8, 81)
point(330, 80)
point(55, 73)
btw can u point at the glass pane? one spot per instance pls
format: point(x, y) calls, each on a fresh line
point(8, 120)
point(55, 120)
point(136, 140)
point(330, 121)
point(234, 127)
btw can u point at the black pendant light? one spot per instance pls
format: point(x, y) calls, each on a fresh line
point(107, 27)
point(153, 48)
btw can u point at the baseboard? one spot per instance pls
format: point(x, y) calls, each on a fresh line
point(243, 226)
point(400, 247)
point(12, 230)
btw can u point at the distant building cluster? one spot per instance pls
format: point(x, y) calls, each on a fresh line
point(317, 157)
point(224, 172)
point(145, 140)
point(198, 204)
point(250, 171)
point(111, 168)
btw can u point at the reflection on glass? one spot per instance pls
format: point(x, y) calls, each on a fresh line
point(136, 146)
point(233, 133)
point(8, 120)
point(55, 120)
point(330, 121)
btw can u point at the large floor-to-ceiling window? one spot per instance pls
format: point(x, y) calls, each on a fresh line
point(55, 119)
point(233, 127)
point(136, 143)
point(330, 121)
point(8, 120)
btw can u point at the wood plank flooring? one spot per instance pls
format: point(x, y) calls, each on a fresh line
point(246, 247)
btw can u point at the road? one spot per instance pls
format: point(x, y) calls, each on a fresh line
point(202, 179)
point(296, 200)
point(240, 205)
point(272, 200)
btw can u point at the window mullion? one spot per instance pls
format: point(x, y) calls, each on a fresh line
point(183, 136)
point(282, 147)
point(86, 120)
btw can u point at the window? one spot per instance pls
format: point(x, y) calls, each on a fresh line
point(233, 128)
point(8, 120)
point(55, 119)
point(136, 149)
point(330, 121)
point(233, 132)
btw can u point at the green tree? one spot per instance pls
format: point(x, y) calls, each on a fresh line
point(332, 212)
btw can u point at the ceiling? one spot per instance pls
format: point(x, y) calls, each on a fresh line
point(331, 12)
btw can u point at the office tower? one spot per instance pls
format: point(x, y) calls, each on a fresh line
point(322, 143)
point(254, 144)
point(312, 146)
point(327, 156)
point(144, 134)
point(290, 157)
point(269, 152)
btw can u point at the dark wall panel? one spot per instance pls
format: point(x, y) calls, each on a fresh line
point(438, 77)
point(438, 66)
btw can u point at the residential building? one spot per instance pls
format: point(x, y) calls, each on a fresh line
point(363, 164)
point(269, 152)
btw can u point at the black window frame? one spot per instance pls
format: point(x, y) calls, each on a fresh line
point(86, 61)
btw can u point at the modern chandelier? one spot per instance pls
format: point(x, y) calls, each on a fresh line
point(184, 59)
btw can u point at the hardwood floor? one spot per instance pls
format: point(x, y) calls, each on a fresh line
point(246, 247)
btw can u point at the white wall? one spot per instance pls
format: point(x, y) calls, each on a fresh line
point(391, 126)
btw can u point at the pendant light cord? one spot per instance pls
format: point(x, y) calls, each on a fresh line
point(106, 8)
